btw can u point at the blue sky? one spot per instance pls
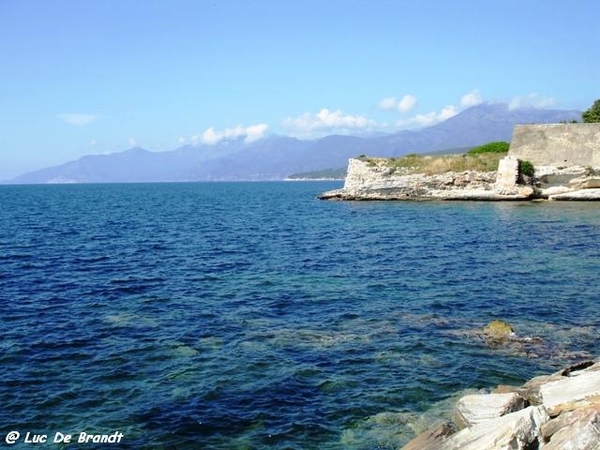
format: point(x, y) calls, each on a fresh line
point(93, 77)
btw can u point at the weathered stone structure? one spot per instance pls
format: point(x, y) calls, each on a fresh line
point(508, 174)
point(566, 159)
point(557, 145)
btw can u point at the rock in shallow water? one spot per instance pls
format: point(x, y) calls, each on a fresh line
point(499, 329)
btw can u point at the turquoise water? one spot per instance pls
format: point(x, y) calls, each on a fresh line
point(251, 315)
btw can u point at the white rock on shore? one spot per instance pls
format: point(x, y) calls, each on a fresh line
point(474, 409)
point(563, 413)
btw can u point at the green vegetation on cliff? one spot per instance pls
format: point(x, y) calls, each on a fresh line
point(490, 147)
point(431, 165)
point(526, 168)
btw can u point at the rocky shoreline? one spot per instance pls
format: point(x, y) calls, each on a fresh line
point(369, 180)
point(560, 411)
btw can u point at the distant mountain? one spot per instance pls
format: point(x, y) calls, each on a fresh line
point(277, 157)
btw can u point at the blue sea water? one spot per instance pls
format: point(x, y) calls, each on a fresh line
point(251, 315)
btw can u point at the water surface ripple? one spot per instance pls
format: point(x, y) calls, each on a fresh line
point(250, 315)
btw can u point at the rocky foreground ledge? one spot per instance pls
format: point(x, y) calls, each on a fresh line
point(373, 180)
point(554, 412)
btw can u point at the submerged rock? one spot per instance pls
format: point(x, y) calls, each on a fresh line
point(497, 329)
point(501, 335)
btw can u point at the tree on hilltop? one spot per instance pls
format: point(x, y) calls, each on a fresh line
point(592, 114)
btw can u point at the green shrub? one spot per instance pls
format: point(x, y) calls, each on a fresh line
point(490, 147)
point(430, 165)
point(592, 114)
point(526, 168)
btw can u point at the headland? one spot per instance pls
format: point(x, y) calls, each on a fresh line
point(544, 162)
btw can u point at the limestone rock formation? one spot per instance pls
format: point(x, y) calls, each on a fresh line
point(576, 430)
point(558, 411)
point(430, 438)
point(372, 182)
point(474, 409)
point(518, 430)
point(568, 183)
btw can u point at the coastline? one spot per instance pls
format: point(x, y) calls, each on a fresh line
point(367, 181)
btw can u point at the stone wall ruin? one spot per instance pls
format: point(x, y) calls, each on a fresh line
point(557, 145)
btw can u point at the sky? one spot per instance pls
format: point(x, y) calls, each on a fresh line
point(100, 76)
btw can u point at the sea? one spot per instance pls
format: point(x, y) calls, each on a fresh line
point(255, 316)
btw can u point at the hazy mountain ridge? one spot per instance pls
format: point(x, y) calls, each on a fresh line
point(277, 157)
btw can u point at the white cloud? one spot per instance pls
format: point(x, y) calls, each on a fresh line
point(326, 121)
point(93, 143)
point(533, 100)
point(447, 112)
point(77, 119)
point(473, 98)
point(256, 132)
point(388, 103)
point(428, 119)
point(422, 119)
point(210, 137)
point(407, 103)
point(250, 134)
point(132, 142)
point(431, 118)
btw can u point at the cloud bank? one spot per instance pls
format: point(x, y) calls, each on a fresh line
point(334, 121)
point(211, 136)
point(409, 101)
point(428, 119)
point(326, 121)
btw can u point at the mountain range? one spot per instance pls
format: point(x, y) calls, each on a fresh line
point(277, 157)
